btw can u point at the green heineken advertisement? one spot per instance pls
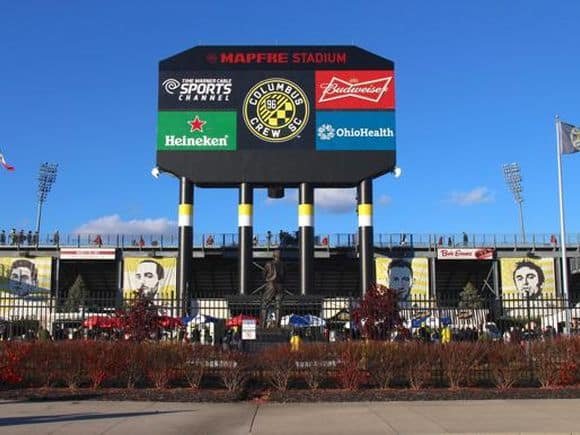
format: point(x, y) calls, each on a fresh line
point(196, 131)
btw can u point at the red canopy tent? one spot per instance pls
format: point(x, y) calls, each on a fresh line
point(168, 322)
point(103, 322)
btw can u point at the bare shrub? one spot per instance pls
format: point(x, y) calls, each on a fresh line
point(507, 362)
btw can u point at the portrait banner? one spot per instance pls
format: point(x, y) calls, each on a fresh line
point(408, 276)
point(25, 287)
point(156, 277)
point(536, 276)
point(26, 277)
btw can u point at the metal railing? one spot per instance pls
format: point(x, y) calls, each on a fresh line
point(64, 317)
point(289, 239)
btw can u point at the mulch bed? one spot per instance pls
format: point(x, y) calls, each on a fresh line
point(295, 395)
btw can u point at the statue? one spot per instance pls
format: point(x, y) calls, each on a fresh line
point(274, 274)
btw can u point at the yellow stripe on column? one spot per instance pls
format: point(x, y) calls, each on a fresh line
point(305, 215)
point(365, 215)
point(185, 215)
point(244, 215)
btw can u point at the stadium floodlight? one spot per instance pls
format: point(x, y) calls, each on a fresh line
point(397, 172)
point(513, 179)
point(46, 178)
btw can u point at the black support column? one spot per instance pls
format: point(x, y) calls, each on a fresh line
point(245, 235)
point(365, 235)
point(306, 237)
point(185, 252)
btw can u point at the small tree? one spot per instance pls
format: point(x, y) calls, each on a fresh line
point(140, 320)
point(469, 298)
point(378, 314)
point(77, 295)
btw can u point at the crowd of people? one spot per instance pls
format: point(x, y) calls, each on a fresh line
point(18, 237)
point(23, 238)
point(487, 332)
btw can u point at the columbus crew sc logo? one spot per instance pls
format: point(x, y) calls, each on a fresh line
point(276, 110)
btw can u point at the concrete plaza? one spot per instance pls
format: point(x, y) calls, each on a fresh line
point(95, 417)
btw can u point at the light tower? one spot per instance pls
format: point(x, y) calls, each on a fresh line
point(513, 179)
point(46, 178)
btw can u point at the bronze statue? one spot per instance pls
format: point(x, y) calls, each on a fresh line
point(274, 274)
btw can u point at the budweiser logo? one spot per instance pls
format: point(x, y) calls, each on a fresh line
point(371, 90)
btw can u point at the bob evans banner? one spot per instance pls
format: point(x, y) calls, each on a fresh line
point(280, 115)
point(87, 254)
point(465, 254)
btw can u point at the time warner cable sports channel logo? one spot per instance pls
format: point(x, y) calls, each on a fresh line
point(199, 89)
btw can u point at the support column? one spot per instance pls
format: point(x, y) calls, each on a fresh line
point(496, 289)
point(306, 237)
point(245, 236)
point(119, 264)
point(433, 280)
point(365, 235)
point(185, 252)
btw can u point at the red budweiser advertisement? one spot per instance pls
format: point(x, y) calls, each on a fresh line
point(465, 254)
point(355, 90)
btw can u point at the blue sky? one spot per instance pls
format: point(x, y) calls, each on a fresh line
point(478, 85)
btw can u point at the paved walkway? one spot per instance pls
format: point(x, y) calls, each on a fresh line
point(490, 416)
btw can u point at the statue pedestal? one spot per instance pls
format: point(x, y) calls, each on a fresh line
point(267, 337)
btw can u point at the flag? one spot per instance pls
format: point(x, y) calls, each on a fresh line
point(569, 138)
point(6, 165)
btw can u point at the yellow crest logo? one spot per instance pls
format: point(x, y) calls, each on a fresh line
point(276, 110)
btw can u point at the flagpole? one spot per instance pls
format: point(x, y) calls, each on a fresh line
point(562, 223)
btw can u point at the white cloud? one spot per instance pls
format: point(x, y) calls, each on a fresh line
point(115, 225)
point(384, 200)
point(336, 200)
point(479, 195)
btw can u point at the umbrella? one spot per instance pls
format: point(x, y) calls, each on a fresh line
point(237, 320)
point(314, 320)
point(304, 321)
point(342, 316)
point(104, 322)
point(294, 320)
point(168, 322)
point(198, 319)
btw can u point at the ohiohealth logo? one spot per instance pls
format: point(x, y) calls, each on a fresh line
point(326, 132)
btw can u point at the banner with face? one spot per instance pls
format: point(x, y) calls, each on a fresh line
point(26, 277)
point(409, 277)
point(528, 277)
point(154, 276)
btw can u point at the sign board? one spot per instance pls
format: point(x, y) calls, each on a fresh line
point(248, 329)
point(465, 254)
point(276, 115)
point(87, 254)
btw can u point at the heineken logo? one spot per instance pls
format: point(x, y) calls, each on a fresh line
point(276, 110)
point(197, 124)
point(196, 131)
point(202, 141)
